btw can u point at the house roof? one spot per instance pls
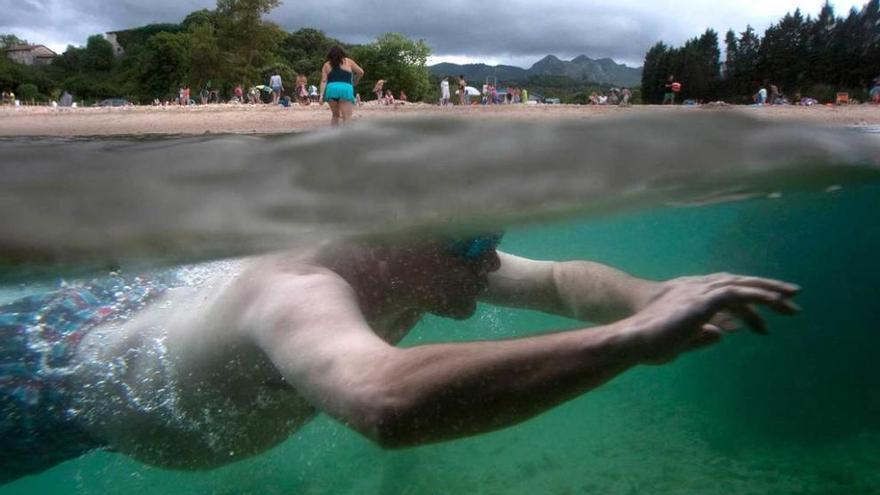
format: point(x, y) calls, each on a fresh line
point(40, 50)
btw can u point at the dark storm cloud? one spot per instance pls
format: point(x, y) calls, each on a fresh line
point(511, 30)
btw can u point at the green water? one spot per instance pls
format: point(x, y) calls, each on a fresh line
point(795, 412)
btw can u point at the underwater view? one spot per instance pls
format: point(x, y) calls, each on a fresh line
point(794, 411)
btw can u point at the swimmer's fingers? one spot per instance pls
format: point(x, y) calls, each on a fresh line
point(708, 335)
point(725, 321)
point(732, 297)
point(780, 286)
point(749, 314)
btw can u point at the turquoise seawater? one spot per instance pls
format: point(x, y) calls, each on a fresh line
point(796, 412)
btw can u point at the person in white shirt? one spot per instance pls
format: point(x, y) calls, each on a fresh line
point(444, 92)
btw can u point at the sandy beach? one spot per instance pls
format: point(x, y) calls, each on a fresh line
point(270, 119)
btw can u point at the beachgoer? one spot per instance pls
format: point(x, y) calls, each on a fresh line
point(626, 94)
point(339, 76)
point(313, 93)
point(379, 90)
point(444, 92)
point(761, 96)
point(302, 90)
point(403, 97)
point(463, 96)
point(775, 96)
point(277, 87)
point(238, 93)
point(389, 97)
point(875, 91)
point(254, 95)
point(669, 94)
point(195, 378)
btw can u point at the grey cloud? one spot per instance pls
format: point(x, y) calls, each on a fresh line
point(519, 31)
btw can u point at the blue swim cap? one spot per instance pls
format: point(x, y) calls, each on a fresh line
point(475, 247)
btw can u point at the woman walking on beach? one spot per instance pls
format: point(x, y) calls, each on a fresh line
point(338, 77)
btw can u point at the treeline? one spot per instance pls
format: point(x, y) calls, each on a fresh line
point(568, 90)
point(802, 56)
point(215, 50)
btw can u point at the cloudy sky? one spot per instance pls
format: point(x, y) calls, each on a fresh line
point(516, 32)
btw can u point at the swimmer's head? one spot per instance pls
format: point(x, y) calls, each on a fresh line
point(440, 274)
point(464, 276)
point(473, 248)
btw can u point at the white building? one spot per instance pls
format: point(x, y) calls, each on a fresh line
point(118, 51)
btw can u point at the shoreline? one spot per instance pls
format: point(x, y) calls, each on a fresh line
point(271, 119)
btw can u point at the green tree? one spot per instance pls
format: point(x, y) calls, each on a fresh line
point(654, 73)
point(746, 77)
point(98, 55)
point(699, 67)
point(305, 51)
point(27, 92)
point(397, 59)
point(162, 67)
point(199, 17)
point(7, 40)
point(782, 57)
point(10, 74)
point(249, 43)
point(204, 59)
point(820, 55)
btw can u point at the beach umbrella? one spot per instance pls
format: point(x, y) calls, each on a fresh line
point(472, 91)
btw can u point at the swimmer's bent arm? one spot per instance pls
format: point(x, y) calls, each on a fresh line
point(581, 290)
point(323, 347)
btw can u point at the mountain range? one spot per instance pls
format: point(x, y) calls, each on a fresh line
point(582, 68)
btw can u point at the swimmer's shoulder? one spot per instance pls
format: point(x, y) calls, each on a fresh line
point(300, 272)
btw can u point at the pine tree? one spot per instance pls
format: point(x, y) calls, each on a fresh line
point(653, 74)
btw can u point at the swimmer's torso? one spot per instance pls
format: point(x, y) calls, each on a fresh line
point(182, 385)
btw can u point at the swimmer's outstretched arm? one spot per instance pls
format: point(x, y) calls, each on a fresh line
point(581, 290)
point(312, 330)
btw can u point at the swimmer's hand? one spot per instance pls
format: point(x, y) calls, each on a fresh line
point(690, 313)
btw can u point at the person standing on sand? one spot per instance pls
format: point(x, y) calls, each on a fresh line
point(302, 92)
point(444, 92)
point(669, 91)
point(379, 90)
point(339, 76)
point(277, 87)
point(463, 97)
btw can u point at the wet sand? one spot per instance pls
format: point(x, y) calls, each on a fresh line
point(270, 119)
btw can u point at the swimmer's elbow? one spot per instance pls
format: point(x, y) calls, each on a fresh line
point(389, 420)
point(384, 425)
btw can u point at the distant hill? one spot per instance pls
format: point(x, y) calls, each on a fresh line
point(582, 68)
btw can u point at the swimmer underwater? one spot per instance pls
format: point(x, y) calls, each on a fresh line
point(202, 377)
